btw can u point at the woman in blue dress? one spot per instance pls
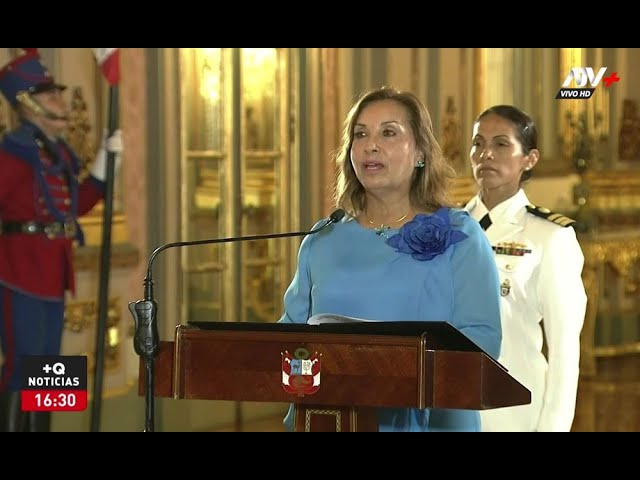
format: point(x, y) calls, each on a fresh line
point(401, 252)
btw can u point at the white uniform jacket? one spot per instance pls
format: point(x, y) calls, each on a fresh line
point(540, 264)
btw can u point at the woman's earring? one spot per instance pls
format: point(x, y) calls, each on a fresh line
point(420, 163)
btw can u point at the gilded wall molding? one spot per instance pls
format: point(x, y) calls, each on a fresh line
point(82, 316)
point(621, 251)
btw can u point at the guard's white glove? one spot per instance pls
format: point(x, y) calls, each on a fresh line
point(112, 144)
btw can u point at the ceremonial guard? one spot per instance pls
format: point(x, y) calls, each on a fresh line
point(41, 199)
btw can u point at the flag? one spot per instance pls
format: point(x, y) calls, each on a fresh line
point(109, 62)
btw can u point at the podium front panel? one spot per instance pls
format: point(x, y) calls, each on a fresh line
point(351, 369)
point(438, 368)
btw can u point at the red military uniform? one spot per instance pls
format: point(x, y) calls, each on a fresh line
point(36, 188)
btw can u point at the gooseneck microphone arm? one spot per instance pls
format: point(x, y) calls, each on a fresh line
point(146, 338)
point(335, 217)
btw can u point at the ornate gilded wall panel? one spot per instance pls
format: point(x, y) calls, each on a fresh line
point(81, 315)
point(612, 281)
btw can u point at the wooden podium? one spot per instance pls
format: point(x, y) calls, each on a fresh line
point(335, 374)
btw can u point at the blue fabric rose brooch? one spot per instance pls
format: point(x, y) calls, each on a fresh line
point(426, 236)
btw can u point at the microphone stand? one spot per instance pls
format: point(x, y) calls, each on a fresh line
point(146, 338)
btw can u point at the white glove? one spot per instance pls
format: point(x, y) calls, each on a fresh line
point(114, 145)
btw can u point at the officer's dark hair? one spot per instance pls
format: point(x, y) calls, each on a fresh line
point(526, 131)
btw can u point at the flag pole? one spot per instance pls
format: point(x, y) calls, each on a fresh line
point(105, 263)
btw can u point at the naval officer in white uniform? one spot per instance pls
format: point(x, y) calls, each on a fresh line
point(540, 263)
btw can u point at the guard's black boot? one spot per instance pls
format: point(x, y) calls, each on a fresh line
point(12, 418)
point(39, 421)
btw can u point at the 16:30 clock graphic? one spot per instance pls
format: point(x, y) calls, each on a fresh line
point(54, 400)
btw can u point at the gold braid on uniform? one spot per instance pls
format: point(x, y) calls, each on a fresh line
point(551, 216)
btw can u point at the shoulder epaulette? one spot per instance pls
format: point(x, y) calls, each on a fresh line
point(551, 216)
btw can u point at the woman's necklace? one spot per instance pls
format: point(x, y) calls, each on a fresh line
point(380, 230)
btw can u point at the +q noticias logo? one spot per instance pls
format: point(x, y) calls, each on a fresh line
point(583, 76)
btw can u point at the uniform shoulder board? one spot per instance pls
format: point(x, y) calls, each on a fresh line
point(551, 216)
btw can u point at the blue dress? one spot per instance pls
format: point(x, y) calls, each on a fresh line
point(350, 270)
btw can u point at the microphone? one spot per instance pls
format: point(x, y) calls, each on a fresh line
point(143, 311)
point(335, 217)
point(146, 338)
